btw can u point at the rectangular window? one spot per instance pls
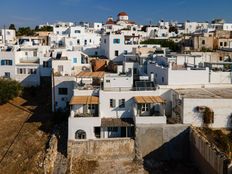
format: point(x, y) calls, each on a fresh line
point(6, 62)
point(21, 71)
point(116, 41)
point(7, 75)
point(60, 68)
point(221, 44)
point(75, 60)
point(145, 107)
point(31, 71)
point(125, 51)
point(107, 81)
point(85, 42)
point(203, 42)
point(122, 103)
point(112, 103)
point(78, 41)
point(105, 41)
point(63, 91)
point(225, 44)
point(77, 31)
point(91, 107)
point(35, 53)
point(45, 64)
point(116, 53)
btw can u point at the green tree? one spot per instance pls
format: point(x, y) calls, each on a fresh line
point(9, 89)
point(44, 28)
point(25, 31)
point(12, 27)
point(164, 43)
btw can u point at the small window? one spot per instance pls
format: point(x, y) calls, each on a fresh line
point(80, 134)
point(60, 68)
point(85, 42)
point(116, 41)
point(203, 42)
point(145, 107)
point(31, 71)
point(112, 103)
point(63, 91)
point(125, 51)
point(162, 79)
point(104, 40)
point(107, 81)
point(77, 31)
point(21, 71)
point(122, 103)
point(75, 60)
point(116, 53)
point(225, 44)
point(35, 53)
point(45, 64)
point(220, 58)
point(91, 107)
point(78, 41)
point(90, 41)
point(221, 44)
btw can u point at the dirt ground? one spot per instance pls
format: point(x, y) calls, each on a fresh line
point(25, 125)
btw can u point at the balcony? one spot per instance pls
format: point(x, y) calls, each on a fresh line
point(29, 60)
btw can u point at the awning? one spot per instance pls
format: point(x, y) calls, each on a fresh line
point(117, 122)
point(99, 74)
point(148, 99)
point(81, 100)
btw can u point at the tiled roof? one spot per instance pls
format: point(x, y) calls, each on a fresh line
point(148, 99)
point(84, 100)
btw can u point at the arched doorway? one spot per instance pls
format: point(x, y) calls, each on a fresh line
point(80, 134)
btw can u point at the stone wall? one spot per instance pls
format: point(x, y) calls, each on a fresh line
point(119, 148)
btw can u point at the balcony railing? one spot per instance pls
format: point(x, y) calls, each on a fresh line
point(85, 115)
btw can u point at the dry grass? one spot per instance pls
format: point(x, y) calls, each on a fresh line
point(23, 140)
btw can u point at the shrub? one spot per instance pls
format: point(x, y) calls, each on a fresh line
point(9, 89)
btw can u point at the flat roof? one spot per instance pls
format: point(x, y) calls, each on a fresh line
point(148, 99)
point(219, 93)
point(81, 100)
point(99, 74)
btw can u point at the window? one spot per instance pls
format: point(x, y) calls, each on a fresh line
point(116, 41)
point(78, 41)
point(112, 103)
point(112, 129)
point(125, 51)
point(116, 53)
point(104, 40)
point(60, 68)
point(107, 81)
point(90, 40)
point(220, 58)
point(122, 103)
point(221, 44)
point(77, 31)
point(75, 60)
point(80, 134)
point(91, 107)
point(34, 53)
point(63, 91)
point(21, 71)
point(162, 79)
point(203, 42)
point(6, 62)
point(31, 71)
point(85, 42)
point(7, 75)
point(145, 107)
point(225, 44)
point(45, 64)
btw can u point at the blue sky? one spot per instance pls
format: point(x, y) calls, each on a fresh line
point(33, 12)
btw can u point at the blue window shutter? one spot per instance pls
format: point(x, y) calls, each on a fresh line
point(11, 62)
point(2, 62)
